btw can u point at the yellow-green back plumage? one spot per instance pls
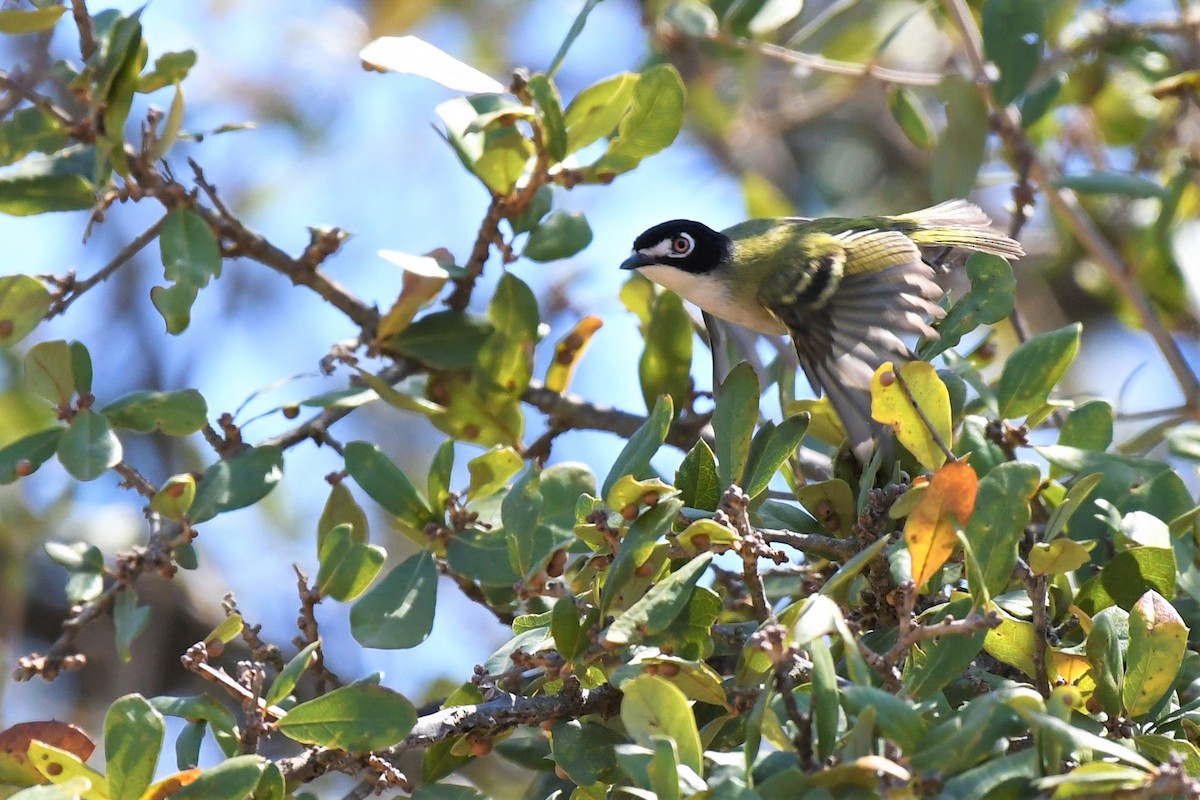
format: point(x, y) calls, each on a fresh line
point(848, 290)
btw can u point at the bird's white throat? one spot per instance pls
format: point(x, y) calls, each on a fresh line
point(713, 295)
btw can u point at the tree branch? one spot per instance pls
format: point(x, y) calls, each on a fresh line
point(486, 719)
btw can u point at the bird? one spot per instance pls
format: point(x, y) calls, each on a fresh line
point(846, 290)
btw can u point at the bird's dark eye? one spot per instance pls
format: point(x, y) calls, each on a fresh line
point(682, 244)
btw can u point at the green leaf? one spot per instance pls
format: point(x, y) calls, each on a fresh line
point(538, 208)
point(16, 21)
point(81, 367)
point(666, 363)
point(205, 709)
point(23, 304)
point(1112, 183)
point(505, 362)
point(189, 249)
point(561, 234)
point(121, 62)
point(359, 718)
point(397, 613)
point(1157, 646)
point(653, 122)
point(825, 702)
point(898, 720)
point(554, 131)
point(1089, 426)
point(174, 413)
point(129, 619)
point(998, 522)
point(1041, 98)
point(1012, 40)
point(572, 34)
point(597, 110)
point(491, 471)
point(341, 508)
point(30, 130)
point(506, 151)
point(174, 303)
point(636, 547)
point(1104, 646)
point(48, 372)
point(958, 154)
point(634, 458)
point(347, 567)
point(481, 556)
point(285, 682)
point(585, 750)
point(519, 514)
point(386, 484)
point(440, 468)
point(1033, 370)
point(696, 478)
point(24, 456)
point(233, 779)
point(444, 340)
point(652, 707)
point(566, 627)
point(910, 116)
point(993, 291)
point(169, 68)
point(89, 447)
point(946, 658)
point(41, 183)
point(1127, 576)
point(659, 607)
point(237, 482)
point(1076, 496)
point(733, 423)
point(133, 735)
point(778, 445)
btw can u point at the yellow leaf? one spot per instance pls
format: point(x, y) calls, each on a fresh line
point(1012, 643)
point(1157, 646)
point(1061, 555)
point(946, 505)
point(59, 766)
point(569, 351)
point(899, 399)
point(423, 278)
point(831, 503)
point(707, 534)
point(1073, 669)
point(824, 425)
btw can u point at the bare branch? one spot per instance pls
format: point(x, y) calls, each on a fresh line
point(87, 33)
point(73, 289)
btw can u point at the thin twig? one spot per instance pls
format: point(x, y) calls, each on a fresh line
point(41, 102)
point(76, 289)
point(87, 33)
point(830, 66)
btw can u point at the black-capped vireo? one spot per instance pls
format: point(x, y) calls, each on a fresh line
point(845, 289)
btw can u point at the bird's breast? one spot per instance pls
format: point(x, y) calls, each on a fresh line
point(716, 296)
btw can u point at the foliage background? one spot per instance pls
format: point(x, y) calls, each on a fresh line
point(336, 145)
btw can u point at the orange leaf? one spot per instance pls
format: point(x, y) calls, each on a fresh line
point(170, 785)
point(931, 527)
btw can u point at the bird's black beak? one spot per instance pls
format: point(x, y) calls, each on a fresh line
point(636, 260)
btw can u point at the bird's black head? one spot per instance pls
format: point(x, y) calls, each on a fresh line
point(683, 244)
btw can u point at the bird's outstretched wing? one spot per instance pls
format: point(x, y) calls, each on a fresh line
point(847, 305)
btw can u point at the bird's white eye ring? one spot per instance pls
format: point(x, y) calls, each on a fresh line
point(682, 245)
